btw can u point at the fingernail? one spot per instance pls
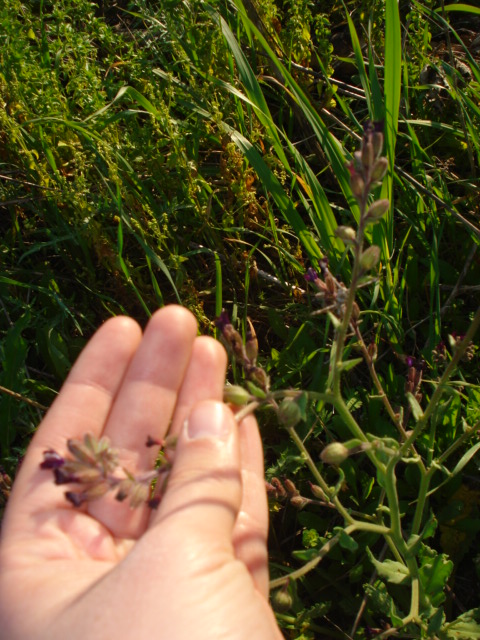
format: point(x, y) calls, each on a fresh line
point(209, 420)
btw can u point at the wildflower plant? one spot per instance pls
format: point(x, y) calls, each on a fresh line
point(410, 578)
point(417, 572)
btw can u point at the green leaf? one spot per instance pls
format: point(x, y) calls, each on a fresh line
point(380, 601)
point(465, 626)
point(391, 570)
point(417, 411)
point(467, 8)
point(347, 365)
point(436, 622)
point(434, 573)
point(255, 391)
point(346, 541)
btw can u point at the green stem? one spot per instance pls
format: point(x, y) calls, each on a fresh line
point(393, 505)
point(422, 497)
point(327, 547)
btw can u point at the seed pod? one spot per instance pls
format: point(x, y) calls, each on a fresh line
point(369, 258)
point(334, 453)
point(235, 394)
point(289, 413)
point(281, 600)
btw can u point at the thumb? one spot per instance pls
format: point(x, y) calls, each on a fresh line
point(204, 490)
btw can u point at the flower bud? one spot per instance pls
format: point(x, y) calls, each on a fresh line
point(347, 234)
point(96, 491)
point(289, 413)
point(77, 499)
point(139, 495)
point(299, 502)
point(368, 157)
point(334, 453)
point(369, 258)
point(377, 142)
point(234, 394)
point(259, 377)
point(85, 475)
point(251, 343)
point(81, 451)
point(379, 169)
point(290, 488)
point(377, 210)
point(358, 185)
point(318, 492)
point(277, 489)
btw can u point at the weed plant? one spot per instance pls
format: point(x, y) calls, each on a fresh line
point(208, 154)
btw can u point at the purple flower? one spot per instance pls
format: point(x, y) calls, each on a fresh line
point(222, 321)
point(323, 266)
point(153, 442)
point(77, 499)
point(51, 460)
point(64, 477)
point(311, 275)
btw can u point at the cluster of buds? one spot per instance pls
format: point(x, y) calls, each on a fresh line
point(439, 353)
point(456, 339)
point(368, 169)
point(245, 353)
point(331, 292)
point(286, 491)
point(93, 466)
point(416, 367)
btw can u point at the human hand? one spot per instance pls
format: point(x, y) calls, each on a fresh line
point(196, 568)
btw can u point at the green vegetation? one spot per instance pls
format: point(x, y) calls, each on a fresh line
point(199, 153)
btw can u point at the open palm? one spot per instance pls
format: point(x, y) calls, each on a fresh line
point(194, 568)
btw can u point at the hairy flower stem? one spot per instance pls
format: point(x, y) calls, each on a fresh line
point(394, 417)
point(317, 475)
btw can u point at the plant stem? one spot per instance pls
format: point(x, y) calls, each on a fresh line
point(327, 547)
point(437, 394)
point(318, 476)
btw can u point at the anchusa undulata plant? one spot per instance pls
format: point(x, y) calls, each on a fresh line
point(409, 579)
point(92, 468)
point(389, 533)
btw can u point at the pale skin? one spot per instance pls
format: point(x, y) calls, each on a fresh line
point(195, 568)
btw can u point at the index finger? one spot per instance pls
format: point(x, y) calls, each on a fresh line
point(82, 406)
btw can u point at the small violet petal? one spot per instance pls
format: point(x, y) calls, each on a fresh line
point(51, 460)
